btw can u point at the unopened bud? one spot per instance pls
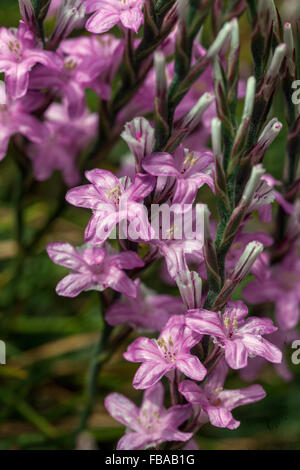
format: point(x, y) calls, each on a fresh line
point(246, 261)
point(276, 62)
point(270, 133)
point(182, 9)
point(193, 118)
point(220, 40)
point(71, 15)
point(27, 12)
point(235, 40)
point(253, 183)
point(250, 97)
point(289, 40)
point(216, 135)
point(190, 287)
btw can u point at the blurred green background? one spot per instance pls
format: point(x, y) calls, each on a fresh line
point(50, 339)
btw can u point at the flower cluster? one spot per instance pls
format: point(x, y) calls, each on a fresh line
point(174, 103)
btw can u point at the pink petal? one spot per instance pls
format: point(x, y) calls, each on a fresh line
point(219, 416)
point(122, 410)
point(17, 80)
point(191, 367)
point(233, 398)
point(149, 373)
point(261, 347)
point(143, 349)
point(205, 322)
point(133, 441)
point(140, 188)
point(160, 164)
point(84, 196)
point(193, 393)
point(102, 21)
point(65, 255)
point(132, 18)
point(73, 284)
point(236, 354)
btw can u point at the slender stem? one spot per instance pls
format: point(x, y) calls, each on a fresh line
point(98, 359)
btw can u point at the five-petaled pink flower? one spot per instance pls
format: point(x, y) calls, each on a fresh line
point(113, 201)
point(92, 268)
point(214, 402)
point(111, 12)
point(239, 337)
point(18, 54)
point(188, 171)
point(151, 424)
point(171, 351)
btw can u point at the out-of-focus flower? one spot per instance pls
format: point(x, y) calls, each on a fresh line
point(281, 286)
point(15, 118)
point(240, 338)
point(283, 340)
point(70, 81)
point(113, 201)
point(171, 351)
point(108, 13)
point(216, 402)
point(60, 149)
point(147, 311)
point(93, 268)
point(151, 424)
point(18, 54)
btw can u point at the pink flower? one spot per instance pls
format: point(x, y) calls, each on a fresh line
point(113, 201)
point(77, 74)
point(281, 286)
point(15, 118)
point(240, 338)
point(218, 403)
point(150, 425)
point(111, 12)
point(171, 351)
point(148, 310)
point(93, 268)
point(189, 170)
point(61, 147)
point(18, 54)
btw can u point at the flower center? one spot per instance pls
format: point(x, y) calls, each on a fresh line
point(115, 194)
point(189, 162)
point(167, 349)
point(15, 48)
point(231, 326)
point(70, 65)
point(148, 420)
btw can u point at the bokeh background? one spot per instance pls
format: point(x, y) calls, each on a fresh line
point(50, 339)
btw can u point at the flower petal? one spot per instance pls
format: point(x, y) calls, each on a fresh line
point(236, 354)
point(122, 410)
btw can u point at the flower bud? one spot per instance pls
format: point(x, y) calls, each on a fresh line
point(193, 118)
point(248, 258)
point(190, 287)
point(71, 15)
point(276, 62)
point(220, 40)
point(27, 12)
point(216, 135)
point(253, 183)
